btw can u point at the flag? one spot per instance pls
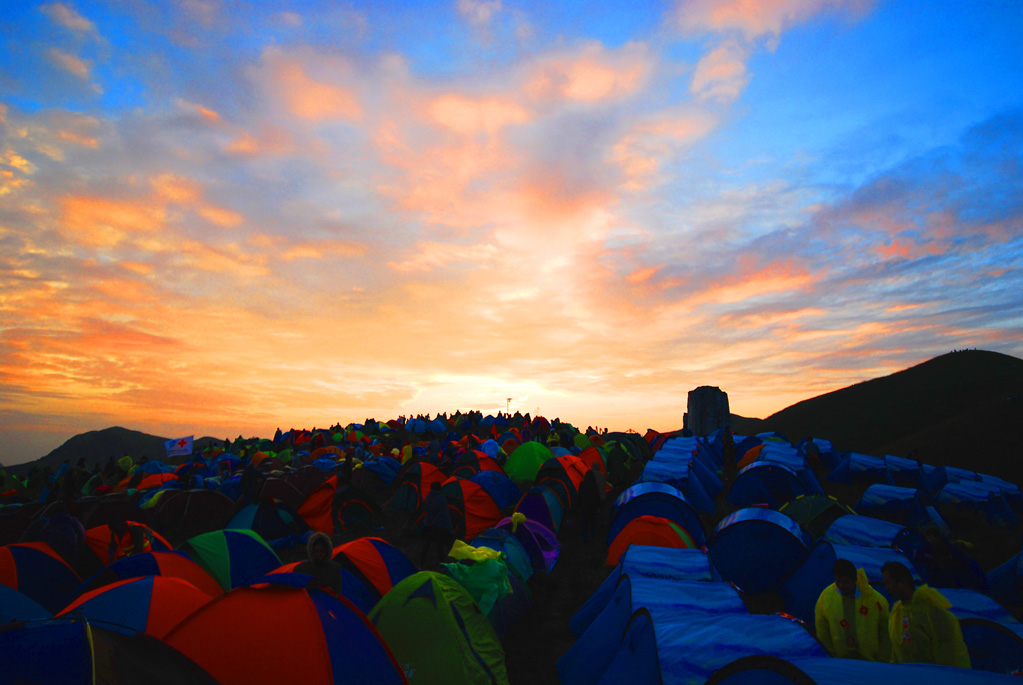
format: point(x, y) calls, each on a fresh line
point(179, 446)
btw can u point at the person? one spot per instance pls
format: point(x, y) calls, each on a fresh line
point(728, 447)
point(591, 497)
point(851, 617)
point(320, 565)
point(129, 537)
point(921, 628)
point(437, 528)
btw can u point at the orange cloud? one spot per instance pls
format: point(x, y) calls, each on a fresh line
point(225, 218)
point(592, 76)
point(175, 189)
point(469, 116)
point(104, 222)
point(434, 255)
point(773, 278)
point(642, 151)
point(643, 275)
point(309, 99)
point(323, 249)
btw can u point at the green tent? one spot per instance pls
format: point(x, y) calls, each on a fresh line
point(437, 633)
point(526, 460)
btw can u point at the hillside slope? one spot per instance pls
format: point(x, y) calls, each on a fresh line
point(958, 409)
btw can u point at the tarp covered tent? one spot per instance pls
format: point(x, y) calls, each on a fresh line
point(153, 605)
point(888, 502)
point(979, 497)
point(90, 654)
point(765, 483)
point(698, 627)
point(815, 513)
point(973, 604)
point(864, 531)
point(775, 670)
point(325, 638)
point(757, 548)
point(655, 499)
point(903, 472)
point(860, 469)
point(678, 475)
point(650, 531)
point(801, 589)
point(166, 563)
point(232, 557)
point(666, 564)
point(437, 632)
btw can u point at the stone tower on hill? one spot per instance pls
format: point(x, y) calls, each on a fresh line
point(708, 410)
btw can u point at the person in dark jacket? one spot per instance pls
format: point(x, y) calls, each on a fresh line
point(591, 497)
point(320, 565)
point(437, 528)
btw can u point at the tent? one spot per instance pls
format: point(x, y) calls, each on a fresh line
point(500, 487)
point(540, 504)
point(648, 530)
point(271, 520)
point(757, 548)
point(655, 499)
point(16, 606)
point(37, 571)
point(539, 542)
point(190, 513)
point(865, 531)
point(815, 513)
point(667, 564)
point(903, 472)
point(767, 483)
point(563, 475)
point(472, 508)
point(275, 630)
point(232, 557)
point(515, 555)
point(524, 463)
point(473, 462)
point(887, 502)
point(438, 633)
point(776, 670)
point(152, 604)
point(860, 469)
point(98, 540)
point(413, 485)
point(696, 627)
point(88, 654)
point(166, 563)
point(375, 562)
point(1006, 584)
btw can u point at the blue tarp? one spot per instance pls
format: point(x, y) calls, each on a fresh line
point(888, 503)
point(864, 531)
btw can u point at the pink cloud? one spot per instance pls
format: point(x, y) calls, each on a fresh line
point(650, 143)
point(469, 116)
point(72, 64)
point(478, 12)
point(755, 18)
point(720, 76)
point(68, 17)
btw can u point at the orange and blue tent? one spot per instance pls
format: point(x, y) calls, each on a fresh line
point(98, 540)
point(654, 531)
point(37, 571)
point(164, 563)
point(232, 557)
point(473, 509)
point(375, 562)
point(326, 639)
point(71, 650)
point(153, 605)
point(563, 475)
point(471, 462)
point(413, 484)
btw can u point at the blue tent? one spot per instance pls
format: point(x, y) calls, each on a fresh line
point(888, 503)
point(1005, 584)
point(993, 646)
point(758, 548)
point(678, 475)
point(774, 670)
point(864, 531)
point(903, 472)
point(655, 499)
point(499, 486)
point(642, 561)
point(540, 504)
point(765, 483)
point(981, 497)
point(860, 469)
point(973, 604)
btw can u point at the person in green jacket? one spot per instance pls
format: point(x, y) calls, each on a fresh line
point(921, 627)
point(851, 617)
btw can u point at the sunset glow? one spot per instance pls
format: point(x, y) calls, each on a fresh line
point(221, 218)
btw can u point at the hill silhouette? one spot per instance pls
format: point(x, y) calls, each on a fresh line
point(960, 409)
point(97, 446)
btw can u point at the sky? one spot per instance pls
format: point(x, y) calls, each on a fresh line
point(220, 218)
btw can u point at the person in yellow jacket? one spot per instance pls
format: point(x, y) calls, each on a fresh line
point(921, 627)
point(851, 617)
